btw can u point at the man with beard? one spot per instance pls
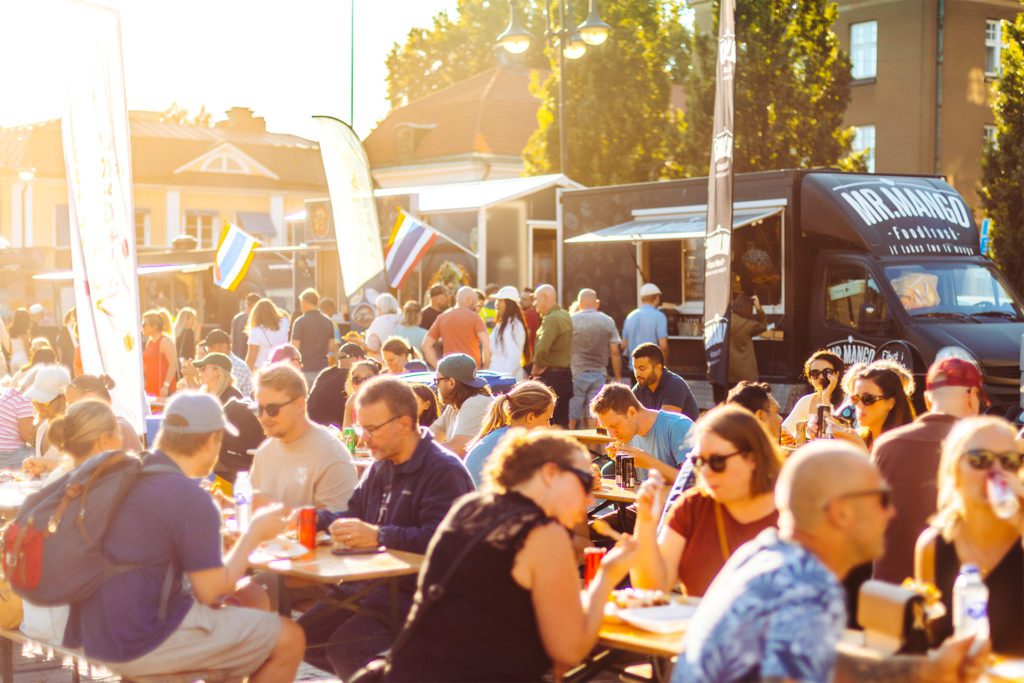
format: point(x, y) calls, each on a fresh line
point(657, 387)
point(466, 399)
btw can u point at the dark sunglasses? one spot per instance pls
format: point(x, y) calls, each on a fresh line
point(867, 399)
point(272, 409)
point(357, 380)
point(826, 373)
point(586, 478)
point(981, 459)
point(717, 463)
point(884, 496)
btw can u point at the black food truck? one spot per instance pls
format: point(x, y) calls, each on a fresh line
point(869, 266)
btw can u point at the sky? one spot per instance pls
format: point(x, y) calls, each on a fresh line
point(285, 59)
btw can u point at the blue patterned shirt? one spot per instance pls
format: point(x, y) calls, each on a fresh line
point(774, 611)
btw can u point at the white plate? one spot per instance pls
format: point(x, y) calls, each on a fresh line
point(661, 619)
point(283, 548)
point(1010, 670)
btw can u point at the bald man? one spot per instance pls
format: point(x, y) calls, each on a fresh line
point(776, 610)
point(460, 330)
point(552, 355)
point(595, 341)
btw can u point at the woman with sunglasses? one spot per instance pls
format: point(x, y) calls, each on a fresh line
point(360, 373)
point(967, 530)
point(512, 607)
point(881, 400)
point(823, 371)
point(734, 500)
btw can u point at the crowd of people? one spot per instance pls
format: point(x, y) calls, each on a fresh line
point(775, 521)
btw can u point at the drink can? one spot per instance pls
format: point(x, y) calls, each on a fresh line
point(591, 563)
point(350, 439)
point(628, 472)
point(824, 425)
point(307, 527)
point(618, 470)
point(1004, 501)
point(801, 432)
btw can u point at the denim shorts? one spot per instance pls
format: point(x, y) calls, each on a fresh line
point(585, 386)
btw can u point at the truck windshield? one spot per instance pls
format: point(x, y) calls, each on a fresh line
point(965, 291)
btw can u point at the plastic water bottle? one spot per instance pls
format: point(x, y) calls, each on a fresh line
point(1003, 500)
point(243, 500)
point(970, 604)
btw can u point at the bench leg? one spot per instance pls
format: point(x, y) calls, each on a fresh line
point(6, 660)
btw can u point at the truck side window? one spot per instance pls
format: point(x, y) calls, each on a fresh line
point(851, 296)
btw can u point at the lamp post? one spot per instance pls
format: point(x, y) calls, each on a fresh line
point(571, 42)
point(26, 176)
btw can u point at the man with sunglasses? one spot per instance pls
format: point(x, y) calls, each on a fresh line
point(776, 610)
point(908, 458)
point(398, 505)
point(300, 463)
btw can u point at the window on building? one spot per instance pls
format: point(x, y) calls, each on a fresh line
point(225, 163)
point(993, 47)
point(864, 139)
point(852, 297)
point(990, 135)
point(142, 223)
point(61, 226)
point(203, 226)
point(864, 49)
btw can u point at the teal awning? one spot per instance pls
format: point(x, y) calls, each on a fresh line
point(684, 227)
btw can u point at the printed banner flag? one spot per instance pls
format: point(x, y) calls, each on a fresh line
point(234, 254)
point(356, 227)
point(409, 241)
point(97, 157)
point(718, 240)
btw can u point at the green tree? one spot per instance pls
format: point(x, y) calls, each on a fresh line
point(1002, 163)
point(621, 123)
point(792, 88)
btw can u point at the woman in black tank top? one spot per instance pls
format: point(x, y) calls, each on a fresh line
point(967, 530)
point(510, 606)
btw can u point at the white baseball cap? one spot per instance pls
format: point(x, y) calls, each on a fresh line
point(649, 289)
point(36, 309)
point(507, 292)
point(48, 384)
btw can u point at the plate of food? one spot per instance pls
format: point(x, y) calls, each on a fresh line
point(670, 618)
point(283, 548)
point(632, 598)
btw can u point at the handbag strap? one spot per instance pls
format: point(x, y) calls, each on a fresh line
point(723, 541)
point(435, 591)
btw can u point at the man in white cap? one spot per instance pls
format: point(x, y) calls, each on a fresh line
point(646, 324)
point(148, 622)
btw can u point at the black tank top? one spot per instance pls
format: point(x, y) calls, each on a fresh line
point(484, 627)
point(1005, 596)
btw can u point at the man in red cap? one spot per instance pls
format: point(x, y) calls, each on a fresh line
point(908, 458)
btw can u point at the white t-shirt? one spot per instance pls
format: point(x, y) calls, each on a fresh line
point(507, 349)
point(800, 411)
point(382, 327)
point(268, 340)
point(465, 421)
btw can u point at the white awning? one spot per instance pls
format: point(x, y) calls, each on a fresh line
point(682, 227)
point(479, 194)
point(142, 271)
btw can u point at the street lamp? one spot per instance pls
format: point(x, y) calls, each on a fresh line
point(25, 175)
point(571, 43)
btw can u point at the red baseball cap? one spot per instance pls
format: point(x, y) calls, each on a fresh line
point(955, 372)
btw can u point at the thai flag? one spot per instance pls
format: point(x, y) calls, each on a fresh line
point(234, 254)
point(409, 241)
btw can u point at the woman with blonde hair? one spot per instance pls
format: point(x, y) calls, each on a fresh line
point(160, 358)
point(267, 329)
point(529, 405)
point(980, 453)
point(187, 329)
point(516, 606)
point(737, 465)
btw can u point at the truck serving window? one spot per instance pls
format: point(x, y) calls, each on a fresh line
point(969, 291)
point(852, 296)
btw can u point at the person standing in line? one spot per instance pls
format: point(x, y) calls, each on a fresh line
point(187, 330)
point(438, 304)
point(460, 330)
point(410, 328)
point(552, 356)
point(657, 387)
point(384, 325)
point(508, 338)
point(646, 324)
point(266, 330)
point(21, 339)
point(489, 307)
point(239, 324)
point(312, 334)
point(746, 321)
point(160, 358)
point(532, 318)
point(595, 340)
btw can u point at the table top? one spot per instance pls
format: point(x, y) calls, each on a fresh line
point(1005, 670)
point(588, 436)
point(13, 493)
point(323, 567)
point(609, 491)
point(621, 636)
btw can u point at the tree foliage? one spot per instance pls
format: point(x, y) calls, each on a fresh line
point(792, 89)
point(1002, 164)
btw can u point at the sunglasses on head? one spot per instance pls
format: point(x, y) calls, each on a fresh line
point(867, 399)
point(981, 459)
point(717, 463)
point(272, 409)
point(586, 478)
point(826, 373)
point(884, 495)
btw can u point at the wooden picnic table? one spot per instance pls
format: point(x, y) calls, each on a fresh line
point(616, 494)
point(322, 567)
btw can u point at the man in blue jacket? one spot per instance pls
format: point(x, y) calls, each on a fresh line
point(398, 504)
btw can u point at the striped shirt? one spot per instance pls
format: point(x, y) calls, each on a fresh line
point(13, 407)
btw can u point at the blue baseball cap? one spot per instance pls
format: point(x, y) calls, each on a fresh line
point(191, 412)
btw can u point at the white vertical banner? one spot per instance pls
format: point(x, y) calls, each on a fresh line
point(97, 157)
point(356, 227)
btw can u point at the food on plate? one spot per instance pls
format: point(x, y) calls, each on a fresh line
point(631, 598)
